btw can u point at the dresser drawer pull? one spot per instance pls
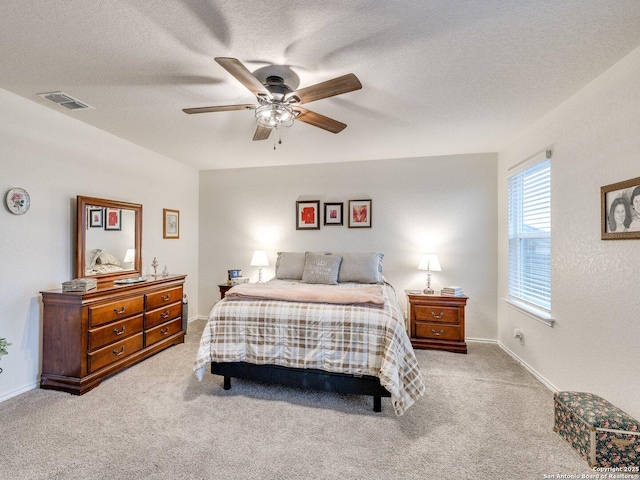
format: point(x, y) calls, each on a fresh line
point(164, 331)
point(119, 332)
point(433, 314)
point(437, 334)
point(165, 314)
point(118, 353)
point(165, 298)
point(121, 311)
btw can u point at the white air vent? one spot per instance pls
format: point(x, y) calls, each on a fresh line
point(65, 100)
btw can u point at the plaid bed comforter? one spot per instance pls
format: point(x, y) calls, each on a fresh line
point(349, 339)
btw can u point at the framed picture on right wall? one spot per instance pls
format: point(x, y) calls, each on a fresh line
point(359, 213)
point(620, 204)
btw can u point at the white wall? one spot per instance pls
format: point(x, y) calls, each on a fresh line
point(55, 158)
point(595, 283)
point(444, 205)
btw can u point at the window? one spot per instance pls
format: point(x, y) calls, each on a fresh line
point(530, 239)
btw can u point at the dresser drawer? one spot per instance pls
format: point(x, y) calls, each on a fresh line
point(113, 332)
point(437, 331)
point(163, 331)
point(114, 352)
point(431, 313)
point(163, 297)
point(162, 315)
point(108, 312)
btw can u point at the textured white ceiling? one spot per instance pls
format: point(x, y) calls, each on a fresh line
point(439, 76)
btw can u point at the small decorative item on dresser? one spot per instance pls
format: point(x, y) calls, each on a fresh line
point(79, 285)
point(155, 264)
point(165, 271)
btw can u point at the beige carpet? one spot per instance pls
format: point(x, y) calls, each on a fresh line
point(483, 417)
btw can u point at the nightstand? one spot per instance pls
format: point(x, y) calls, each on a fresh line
point(223, 289)
point(437, 321)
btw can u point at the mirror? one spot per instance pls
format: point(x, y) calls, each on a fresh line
point(109, 239)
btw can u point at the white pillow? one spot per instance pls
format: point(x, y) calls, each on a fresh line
point(105, 258)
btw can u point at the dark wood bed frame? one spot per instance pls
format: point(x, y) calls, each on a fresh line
point(305, 378)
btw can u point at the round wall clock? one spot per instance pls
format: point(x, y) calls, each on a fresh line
point(18, 201)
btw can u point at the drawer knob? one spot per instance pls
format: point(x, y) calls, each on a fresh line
point(165, 298)
point(118, 353)
point(164, 331)
point(437, 334)
point(119, 332)
point(165, 314)
point(433, 314)
point(121, 311)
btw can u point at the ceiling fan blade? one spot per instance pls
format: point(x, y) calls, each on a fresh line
point(330, 88)
point(320, 121)
point(222, 108)
point(243, 75)
point(262, 133)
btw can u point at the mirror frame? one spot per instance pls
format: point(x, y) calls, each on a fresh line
point(81, 231)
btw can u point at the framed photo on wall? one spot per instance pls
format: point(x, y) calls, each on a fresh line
point(359, 213)
point(96, 217)
point(308, 215)
point(112, 219)
point(620, 205)
point(333, 213)
point(170, 223)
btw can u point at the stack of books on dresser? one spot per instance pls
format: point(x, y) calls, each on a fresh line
point(452, 291)
point(79, 285)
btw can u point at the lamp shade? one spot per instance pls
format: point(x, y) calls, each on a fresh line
point(259, 259)
point(130, 256)
point(429, 262)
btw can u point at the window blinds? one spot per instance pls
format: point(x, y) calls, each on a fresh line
point(530, 236)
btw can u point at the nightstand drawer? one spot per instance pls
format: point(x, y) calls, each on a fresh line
point(437, 331)
point(435, 313)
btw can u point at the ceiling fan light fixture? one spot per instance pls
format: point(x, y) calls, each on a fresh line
point(275, 115)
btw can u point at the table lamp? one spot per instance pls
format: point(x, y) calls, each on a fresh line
point(259, 260)
point(430, 263)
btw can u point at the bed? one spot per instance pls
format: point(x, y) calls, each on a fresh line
point(337, 327)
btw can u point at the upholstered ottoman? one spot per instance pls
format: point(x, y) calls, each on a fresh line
point(603, 434)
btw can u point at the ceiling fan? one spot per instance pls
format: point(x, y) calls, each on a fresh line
point(278, 104)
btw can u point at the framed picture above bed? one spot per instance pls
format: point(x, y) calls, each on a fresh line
point(359, 213)
point(620, 206)
point(96, 217)
point(112, 219)
point(308, 215)
point(333, 213)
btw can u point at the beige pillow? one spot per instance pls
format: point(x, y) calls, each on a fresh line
point(321, 268)
point(360, 267)
point(290, 265)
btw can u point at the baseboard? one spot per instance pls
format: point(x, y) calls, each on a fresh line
point(481, 340)
point(529, 368)
point(15, 393)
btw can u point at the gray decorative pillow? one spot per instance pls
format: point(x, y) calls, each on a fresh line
point(360, 267)
point(290, 265)
point(321, 268)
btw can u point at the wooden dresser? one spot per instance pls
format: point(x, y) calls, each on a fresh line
point(90, 336)
point(437, 322)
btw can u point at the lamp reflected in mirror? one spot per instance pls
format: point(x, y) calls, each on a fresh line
point(130, 257)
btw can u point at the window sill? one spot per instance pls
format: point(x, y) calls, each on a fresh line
point(540, 315)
